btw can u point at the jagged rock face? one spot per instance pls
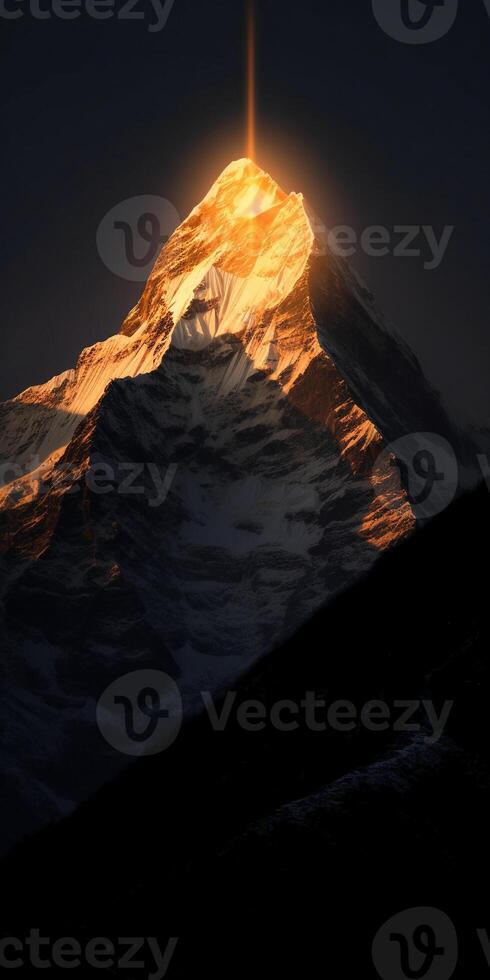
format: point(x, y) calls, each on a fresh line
point(222, 376)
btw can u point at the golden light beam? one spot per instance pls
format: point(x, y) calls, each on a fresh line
point(251, 81)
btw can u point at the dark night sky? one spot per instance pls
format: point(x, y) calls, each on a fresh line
point(372, 130)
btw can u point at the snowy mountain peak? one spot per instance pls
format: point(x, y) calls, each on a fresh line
point(245, 190)
point(246, 233)
point(243, 265)
point(242, 174)
point(256, 374)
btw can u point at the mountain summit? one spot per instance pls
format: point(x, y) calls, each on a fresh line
point(239, 264)
point(236, 420)
point(239, 252)
point(255, 238)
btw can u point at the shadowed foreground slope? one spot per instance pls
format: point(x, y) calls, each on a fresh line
point(303, 841)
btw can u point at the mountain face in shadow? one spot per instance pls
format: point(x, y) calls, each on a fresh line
point(229, 837)
point(202, 482)
point(264, 519)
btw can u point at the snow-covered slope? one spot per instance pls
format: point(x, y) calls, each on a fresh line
point(240, 251)
point(255, 371)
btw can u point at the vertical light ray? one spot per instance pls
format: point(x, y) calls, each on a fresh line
point(251, 81)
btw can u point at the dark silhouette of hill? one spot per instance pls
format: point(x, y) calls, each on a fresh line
point(282, 853)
